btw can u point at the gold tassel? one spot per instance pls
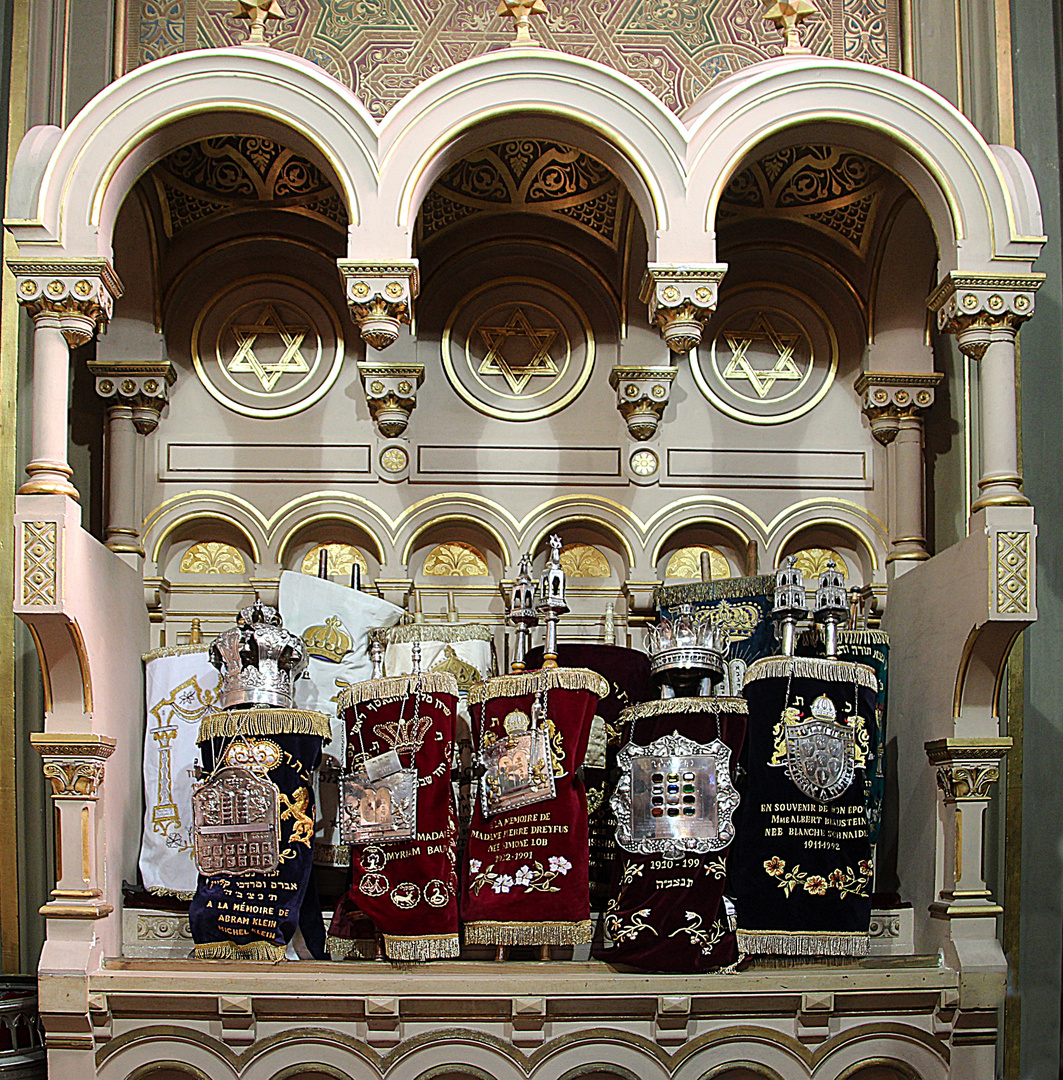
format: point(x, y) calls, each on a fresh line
point(805, 942)
point(341, 948)
point(848, 640)
point(725, 589)
point(531, 682)
point(528, 933)
point(422, 947)
point(235, 722)
point(812, 667)
point(230, 950)
point(173, 650)
point(672, 706)
point(447, 633)
point(397, 686)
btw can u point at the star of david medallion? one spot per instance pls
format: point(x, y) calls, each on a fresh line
point(771, 356)
point(518, 349)
point(267, 346)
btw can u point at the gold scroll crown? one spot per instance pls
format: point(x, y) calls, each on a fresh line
point(467, 674)
point(330, 642)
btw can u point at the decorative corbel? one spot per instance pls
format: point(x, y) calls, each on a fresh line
point(642, 392)
point(380, 296)
point(74, 765)
point(140, 387)
point(391, 394)
point(967, 769)
point(680, 299)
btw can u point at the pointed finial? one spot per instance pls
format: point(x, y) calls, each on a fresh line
point(788, 15)
point(195, 633)
point(522, 11)
point(257, 12)
point(610, 624)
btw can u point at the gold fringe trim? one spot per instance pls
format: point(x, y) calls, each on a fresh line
point(422, 947)
point(530, 682)
point(805, 942)
point(846, 638)
point(672, 706)
point(447, 633)
point(161, 890)
point(230, 950)
point(724, 589)
point(396, 686)
point(341, 948)
point(174, 650)
point(812, 667)
point(528, 933)
point(228, 725)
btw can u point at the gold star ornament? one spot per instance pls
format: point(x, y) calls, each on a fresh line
point(518, 351)
point(257, 12)
point(522, 11)
point(762, 379)
point(788, 15)
point(269, 373)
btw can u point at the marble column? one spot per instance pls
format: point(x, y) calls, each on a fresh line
point(69, 302)
point(985, 312)
point(894, 403)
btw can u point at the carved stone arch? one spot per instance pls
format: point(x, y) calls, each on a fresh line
point(733, 542)
point(152, 1047)
point(557, 96)
point(176, 517)
point(728, 516)
point(593, 530)
point(329, 526)
point(742, 1070)
point(71, 184)
point(979, 195)
point(481, 513)
point(355, 511)
point(817, 520)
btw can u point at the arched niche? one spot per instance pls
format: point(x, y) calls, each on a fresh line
point(454, 552)
point(594, 555)
point(815, 542)
point(677, 557)
point(207, 551)
point(346, 538)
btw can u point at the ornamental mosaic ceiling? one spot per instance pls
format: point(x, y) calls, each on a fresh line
point(382, 49)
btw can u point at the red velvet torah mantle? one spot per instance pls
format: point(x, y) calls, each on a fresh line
point(406, 888)
point(525, 869)
point(669, 914)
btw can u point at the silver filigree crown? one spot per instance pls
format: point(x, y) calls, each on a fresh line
point(681, 648)
point(258, 659)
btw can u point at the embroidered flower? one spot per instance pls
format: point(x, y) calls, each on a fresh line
point(816, 885)
point(559, 865)
point(503, 883)
point(524, 876)
point(865, 866)
point(775, 866)
point(837, 878)
point(474, 865)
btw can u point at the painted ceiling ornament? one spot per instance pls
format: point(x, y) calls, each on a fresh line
point(788, 15)
point(522, 11)
point(258, 12)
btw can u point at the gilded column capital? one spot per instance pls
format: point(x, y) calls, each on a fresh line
point(380, 296)
point(642, 392)
point(73, 763)
point(141, 387)
point(79, 293)
point(978, 307)
point(967, 769)
point(679, 300)
point(391, 393)
point(889, 397)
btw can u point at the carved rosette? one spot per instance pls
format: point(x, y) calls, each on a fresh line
point(391, 394)
point(140, 387)
point(974, 307)
point(641, 394)
point(79, 294)
point(380, 296)
point(679, 300)
point(890, 397)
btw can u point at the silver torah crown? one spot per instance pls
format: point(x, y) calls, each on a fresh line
point(682, 652)
point(258, 659)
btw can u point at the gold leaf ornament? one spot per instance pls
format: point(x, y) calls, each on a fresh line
point(584, 560)
point(685, 563)
point(813, 561)
point(341, 559)
point(455, 559)
point(213, 557)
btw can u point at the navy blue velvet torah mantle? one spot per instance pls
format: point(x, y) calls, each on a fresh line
point(254, 916)
point(801, 868)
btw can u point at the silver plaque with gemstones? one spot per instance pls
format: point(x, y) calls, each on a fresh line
point(236, 823)
point(380, 811)
point(675, 797)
